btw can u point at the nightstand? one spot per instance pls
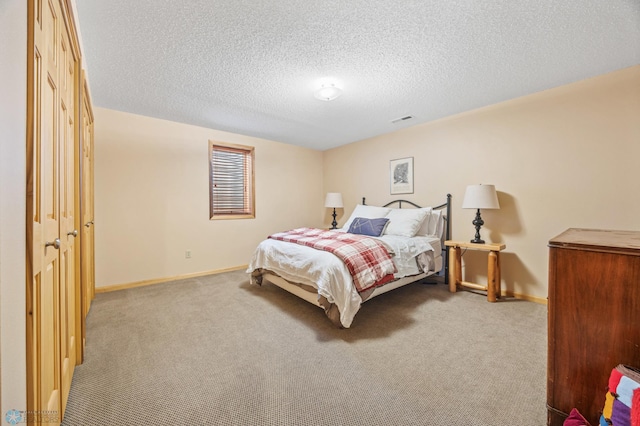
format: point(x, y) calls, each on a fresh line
point(493, 267)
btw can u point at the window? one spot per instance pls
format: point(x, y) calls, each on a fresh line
point(231, 194)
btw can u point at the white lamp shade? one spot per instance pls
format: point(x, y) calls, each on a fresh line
point(334, 199)
point(480, 197)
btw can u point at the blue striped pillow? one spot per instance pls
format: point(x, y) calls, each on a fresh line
point(370, 227)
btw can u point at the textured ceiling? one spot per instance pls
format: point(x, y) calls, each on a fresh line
point(251, 66)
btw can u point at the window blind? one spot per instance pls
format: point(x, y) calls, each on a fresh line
point(231, 181)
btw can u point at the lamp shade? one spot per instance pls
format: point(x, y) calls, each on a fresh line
point(334, 199)
point(480, 197)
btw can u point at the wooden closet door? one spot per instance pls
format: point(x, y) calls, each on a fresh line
point(43, 234)
point(52, 312)
point(87, 204)
point(68, 232)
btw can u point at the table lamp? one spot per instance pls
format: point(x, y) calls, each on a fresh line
point(480, 197)
point(334, 199)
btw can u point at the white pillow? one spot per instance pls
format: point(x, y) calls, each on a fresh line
point(436, 224)
point(367, 212)
point(424, 228)
point(440, 226)
point(405, 222)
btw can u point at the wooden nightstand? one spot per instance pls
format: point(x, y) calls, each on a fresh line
point(493, 274)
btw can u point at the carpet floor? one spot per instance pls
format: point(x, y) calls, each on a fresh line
point(216, 350)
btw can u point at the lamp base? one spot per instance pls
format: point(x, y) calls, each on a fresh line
point(478, 222)
point(334, 224)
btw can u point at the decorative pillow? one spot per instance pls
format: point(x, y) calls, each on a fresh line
point(575, 419)
point(405, 222)
point(370, 227)
point(367, 212)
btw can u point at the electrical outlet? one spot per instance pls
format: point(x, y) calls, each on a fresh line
point(187, 254)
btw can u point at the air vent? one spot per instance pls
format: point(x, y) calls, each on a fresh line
point(405, 118)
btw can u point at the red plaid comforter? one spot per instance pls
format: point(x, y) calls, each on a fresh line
point(367, 259)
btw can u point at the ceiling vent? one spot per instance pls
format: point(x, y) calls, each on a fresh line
point(401, 119)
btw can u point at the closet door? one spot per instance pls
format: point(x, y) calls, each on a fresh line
point(86, 202)
point(69, 315)
point(43, 209)
point(51, 309)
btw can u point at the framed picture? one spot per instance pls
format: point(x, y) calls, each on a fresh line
point(401, 175)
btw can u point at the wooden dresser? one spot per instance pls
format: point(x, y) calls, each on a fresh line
point(594, 317)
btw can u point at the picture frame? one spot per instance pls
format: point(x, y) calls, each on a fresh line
point(401, 176)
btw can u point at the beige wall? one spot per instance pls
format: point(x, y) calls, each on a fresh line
point(560, 158)
point(566, 157)
point(13, 116)
point(152, 203)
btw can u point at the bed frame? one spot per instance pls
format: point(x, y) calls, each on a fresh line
point(447, 227)
point(309, 294)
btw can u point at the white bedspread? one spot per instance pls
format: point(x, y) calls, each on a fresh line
point(328, 274)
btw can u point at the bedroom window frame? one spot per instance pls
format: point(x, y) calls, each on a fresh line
point(231, 191)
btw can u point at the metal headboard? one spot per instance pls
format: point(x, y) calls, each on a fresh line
point(447, 230)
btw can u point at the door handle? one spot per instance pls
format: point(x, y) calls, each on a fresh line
point(55, 243)
point(88, 224)
point(74, 233)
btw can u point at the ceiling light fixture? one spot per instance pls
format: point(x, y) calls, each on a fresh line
point(327, 92)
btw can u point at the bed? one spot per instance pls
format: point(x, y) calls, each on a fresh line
point(412, 238)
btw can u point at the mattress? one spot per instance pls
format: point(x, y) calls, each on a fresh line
point(414, 258)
